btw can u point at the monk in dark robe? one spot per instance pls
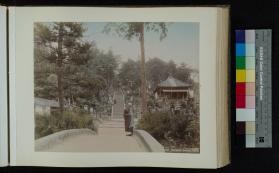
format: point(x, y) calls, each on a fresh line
point(127, 118)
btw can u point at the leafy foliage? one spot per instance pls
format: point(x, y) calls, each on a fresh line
point(58, 46)
point(129, 74)
point(76, 70)
point(173, 128)
point(48, 124)
point(136, 30)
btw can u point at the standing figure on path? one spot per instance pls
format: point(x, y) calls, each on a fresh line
point(127, 118)
point(129, 125)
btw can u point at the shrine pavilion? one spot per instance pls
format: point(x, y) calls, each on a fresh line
point(172, 89)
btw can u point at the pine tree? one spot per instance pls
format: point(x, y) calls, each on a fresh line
point(62, 46)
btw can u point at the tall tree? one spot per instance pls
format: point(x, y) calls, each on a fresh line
point(103, 67)
point(129, 73)
point(156, 71)
point(183, 73)
point(63, 45)
point(171, 67)
point(136, 30)
point(42, 69)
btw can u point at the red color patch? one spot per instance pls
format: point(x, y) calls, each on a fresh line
point(240, 101)
point(240, 88)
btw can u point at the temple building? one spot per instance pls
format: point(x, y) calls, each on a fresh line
point(172, 89)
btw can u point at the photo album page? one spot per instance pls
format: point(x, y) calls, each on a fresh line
point(106, 87)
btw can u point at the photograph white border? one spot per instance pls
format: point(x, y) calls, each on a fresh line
point(22, 87)
point(3, 89)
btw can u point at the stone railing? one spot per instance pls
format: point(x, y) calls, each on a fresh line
point(148, 141)
point(46, 142)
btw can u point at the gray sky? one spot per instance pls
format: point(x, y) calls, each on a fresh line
point(180, 45)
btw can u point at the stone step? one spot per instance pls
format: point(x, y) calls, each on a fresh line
point(118, 110)
point(111, 127)
point(118, 124)
point(113, 123)
point(115, 120)
point(119, 114)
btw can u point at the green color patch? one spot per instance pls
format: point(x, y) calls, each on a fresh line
point(240, 62)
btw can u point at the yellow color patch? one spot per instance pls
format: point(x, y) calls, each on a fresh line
point(250, 127)
point(240, 76)
point(250, 76)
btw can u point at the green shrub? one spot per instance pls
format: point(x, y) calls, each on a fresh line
point(180, 128)
point(42, 125)
point(48, 124)
point(157, 124)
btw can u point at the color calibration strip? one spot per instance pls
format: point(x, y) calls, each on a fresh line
point(248, 92)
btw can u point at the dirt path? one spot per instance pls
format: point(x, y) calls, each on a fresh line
point(110, 138)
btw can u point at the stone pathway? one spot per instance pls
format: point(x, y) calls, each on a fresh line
point(118, 108)
point(111, 136)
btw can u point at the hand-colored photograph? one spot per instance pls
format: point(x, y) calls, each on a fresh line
point(116, 87)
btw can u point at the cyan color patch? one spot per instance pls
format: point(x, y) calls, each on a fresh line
point(250, 141)
point(250, 49)
point(245, 114)
point(240, 49)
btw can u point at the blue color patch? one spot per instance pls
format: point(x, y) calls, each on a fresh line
point(240, 49)
point(240, 36)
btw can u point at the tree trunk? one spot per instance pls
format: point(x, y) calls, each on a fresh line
point(60, 70)
point(143, 79)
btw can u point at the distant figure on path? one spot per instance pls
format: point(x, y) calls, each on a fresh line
point(128, 120)
point(131, 127)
